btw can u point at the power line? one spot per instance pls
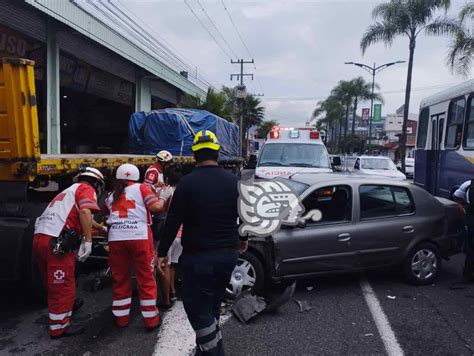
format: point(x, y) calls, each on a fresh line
point(152, 35)
point(146, 43)
point(207, 30)
point(236, 29)
point(215, 27)
point(241, 40)
point(310, 98)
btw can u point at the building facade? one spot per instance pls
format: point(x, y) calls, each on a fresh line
point(89, 76)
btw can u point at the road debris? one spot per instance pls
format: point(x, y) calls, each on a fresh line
point(247, 306)
point(392, 297)
point(303, 304)
point(309, 288)
point(369, 334)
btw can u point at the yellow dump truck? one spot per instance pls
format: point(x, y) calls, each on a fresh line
point(28, 178)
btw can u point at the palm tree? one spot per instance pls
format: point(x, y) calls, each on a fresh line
point(461, 48)
point(406, 18)
point(215, 102)
point(344, 91)
point(361, 90)
point(330, 112)
point(253, 114)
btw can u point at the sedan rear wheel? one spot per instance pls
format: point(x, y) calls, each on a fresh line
point(422, 265)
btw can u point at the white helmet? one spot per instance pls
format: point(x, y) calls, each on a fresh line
point(128, 171)
point(91, 172)
point(164, 156)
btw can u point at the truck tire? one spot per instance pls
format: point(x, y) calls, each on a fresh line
point(422, 264)
point(248, 274)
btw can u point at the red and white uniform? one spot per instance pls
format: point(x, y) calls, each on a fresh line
point(154, 175)
point(57, 272)
point(131, 245)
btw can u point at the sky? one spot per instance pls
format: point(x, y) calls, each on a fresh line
point(299, 48)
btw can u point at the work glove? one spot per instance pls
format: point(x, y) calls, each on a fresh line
point(84, 251)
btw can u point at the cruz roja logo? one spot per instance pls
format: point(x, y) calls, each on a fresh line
point(265, 205)
point(59, 276)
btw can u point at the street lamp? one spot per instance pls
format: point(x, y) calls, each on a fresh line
point(373, 70)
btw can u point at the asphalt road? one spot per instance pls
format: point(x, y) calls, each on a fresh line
point(424, 320)
point(386, 316)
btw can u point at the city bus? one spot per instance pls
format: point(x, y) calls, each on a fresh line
point(444, 156)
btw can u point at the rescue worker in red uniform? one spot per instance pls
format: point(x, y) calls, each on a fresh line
point(70, 210)
point(154, 174)
point(131, 245)
point(154, 177)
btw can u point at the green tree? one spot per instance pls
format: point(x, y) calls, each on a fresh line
point(215, 102)
point(406, 18)
point(329, 113)
point(344, 91)
point(253, 114)
point(461, 47)
point(265, 127)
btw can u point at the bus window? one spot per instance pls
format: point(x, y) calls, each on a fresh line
point(422, 129)
point(469, 131)
point(455, 123)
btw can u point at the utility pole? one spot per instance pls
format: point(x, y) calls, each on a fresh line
point(373, 71)
point(240, 77)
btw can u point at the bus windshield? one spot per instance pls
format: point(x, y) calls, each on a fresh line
point(378, 163)
point(294, 155)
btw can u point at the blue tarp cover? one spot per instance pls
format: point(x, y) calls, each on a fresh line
point(173, 130)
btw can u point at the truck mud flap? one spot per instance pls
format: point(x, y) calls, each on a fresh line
point(12, 230)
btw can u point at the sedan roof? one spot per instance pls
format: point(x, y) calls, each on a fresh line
point(345, 178)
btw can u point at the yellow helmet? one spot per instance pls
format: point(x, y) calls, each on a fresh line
point(205, 139)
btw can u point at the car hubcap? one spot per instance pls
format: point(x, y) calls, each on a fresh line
point(424, 264)
point(243, 277)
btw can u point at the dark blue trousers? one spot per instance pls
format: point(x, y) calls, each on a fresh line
point(205, 277)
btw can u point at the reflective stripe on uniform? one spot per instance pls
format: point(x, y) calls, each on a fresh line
point(207, 330)
point(211, 344)
point(121, 302)
point(58, 326)
point(149, 314)
point(123, 312)
point(147, 302)
point(59, 316)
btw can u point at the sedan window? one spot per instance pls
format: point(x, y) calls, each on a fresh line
point(334, 202)
point(381, 201)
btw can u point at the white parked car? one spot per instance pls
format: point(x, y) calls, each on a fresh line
point(409, 167)
point(374, 165)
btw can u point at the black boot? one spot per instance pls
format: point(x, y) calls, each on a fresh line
point(71, 331)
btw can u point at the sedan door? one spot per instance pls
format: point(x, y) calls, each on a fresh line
point(387, 224)
point(323, 246)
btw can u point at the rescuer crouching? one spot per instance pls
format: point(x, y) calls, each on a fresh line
point(64, 227)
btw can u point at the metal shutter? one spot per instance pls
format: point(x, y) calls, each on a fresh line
point(23, 18)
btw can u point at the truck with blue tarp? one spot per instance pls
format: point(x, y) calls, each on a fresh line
point(173, 130)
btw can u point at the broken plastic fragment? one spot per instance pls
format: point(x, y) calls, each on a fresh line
point(304, 306)
point(391, 297)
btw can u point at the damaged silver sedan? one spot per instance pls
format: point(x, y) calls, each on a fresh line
point(367, 223)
